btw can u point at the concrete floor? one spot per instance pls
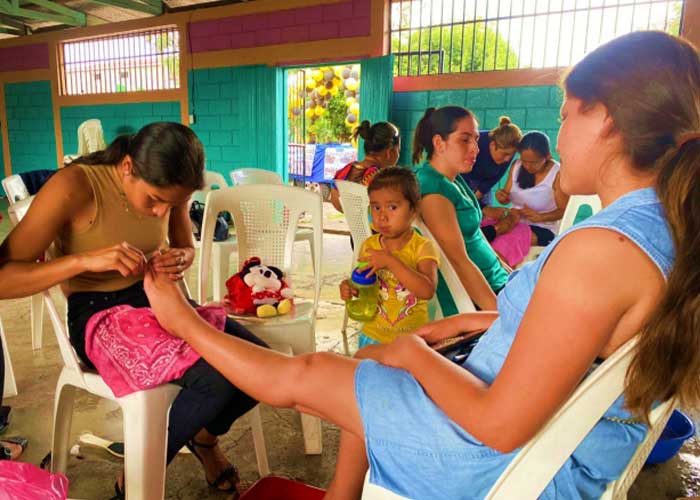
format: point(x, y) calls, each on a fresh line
point(92, 477)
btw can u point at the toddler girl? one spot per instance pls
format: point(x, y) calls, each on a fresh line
point(405, 263)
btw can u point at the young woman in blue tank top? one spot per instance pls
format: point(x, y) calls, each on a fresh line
point(630, 133)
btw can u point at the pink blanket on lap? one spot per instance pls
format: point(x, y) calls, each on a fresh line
point(512, 246)
point(132, 352)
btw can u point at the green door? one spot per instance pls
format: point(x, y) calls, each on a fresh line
point(377, 82)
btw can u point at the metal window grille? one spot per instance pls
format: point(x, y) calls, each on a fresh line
point(127, 62)
point(452, 36)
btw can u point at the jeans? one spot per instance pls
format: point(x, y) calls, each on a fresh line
point(207, 399)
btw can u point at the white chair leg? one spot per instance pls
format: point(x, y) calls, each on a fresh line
point(145, 415)
point(311, 248)
point(62, 420)
point(220, 257)
point(259, 441)
point(344, 331)
point(37, 314)
point(10, 385)
point(311, 427)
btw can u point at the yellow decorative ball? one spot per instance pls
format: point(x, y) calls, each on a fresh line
point(354, 108)
point(310, 84)
point(350, 100)
point(317, 75)
point(319, 110)
point(322, 91)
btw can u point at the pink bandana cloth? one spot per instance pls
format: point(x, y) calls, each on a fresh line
point(132, 352)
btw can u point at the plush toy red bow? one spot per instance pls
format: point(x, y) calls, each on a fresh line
point(259, 289)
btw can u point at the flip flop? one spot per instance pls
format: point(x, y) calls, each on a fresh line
point(6, 453)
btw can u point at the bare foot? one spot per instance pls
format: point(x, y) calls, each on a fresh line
point(167, 302)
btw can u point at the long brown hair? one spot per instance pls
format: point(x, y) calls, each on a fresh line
point(442, 122)
point(650, 84)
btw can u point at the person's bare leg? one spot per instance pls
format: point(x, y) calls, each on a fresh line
point(318, 383)
point(533, 238)
point(350, 468)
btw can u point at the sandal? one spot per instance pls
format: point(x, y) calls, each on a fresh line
point(229, 474)
point(6, 453)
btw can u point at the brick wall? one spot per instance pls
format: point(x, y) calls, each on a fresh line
point(323, 22)
point(236, 117)
point(531, 108)
point(117, 119)
point(30, 126)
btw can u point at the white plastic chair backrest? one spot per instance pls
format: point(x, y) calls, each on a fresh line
point(572, 207)
point(355, 202)
point(17, 211)
point(243, 176)
point(540, 459)
point(15, 189)
point(454, 284)
point(211, 180)
point(265, 217)
point(90, 137)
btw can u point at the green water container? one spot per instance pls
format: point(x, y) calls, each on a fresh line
point(363, 307)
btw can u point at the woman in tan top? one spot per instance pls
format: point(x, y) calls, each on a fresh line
point(108, 214)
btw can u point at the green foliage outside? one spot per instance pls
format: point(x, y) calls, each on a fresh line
point(463, 48)
point(330, 127)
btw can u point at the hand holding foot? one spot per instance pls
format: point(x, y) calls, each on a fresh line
point(167, 302)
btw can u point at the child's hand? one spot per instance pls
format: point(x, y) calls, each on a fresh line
point(438, 330)
point(503, 196)
point(346, 291)
point(377, 259)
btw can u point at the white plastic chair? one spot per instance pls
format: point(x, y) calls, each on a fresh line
point(266, 218)
point(567, 220)
point(539, 460)
point(223, 249)
point(355, 202)
point(90, 139)
point(15, 189)
point(10, 385)
point(244, 176)
point(572, 208)
point(454, 284)
point(19, 204)
point(145, 413)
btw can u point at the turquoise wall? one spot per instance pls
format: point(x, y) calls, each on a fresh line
point(30, 126)
point(238, 117)
point(531, 108)
point(117, 119)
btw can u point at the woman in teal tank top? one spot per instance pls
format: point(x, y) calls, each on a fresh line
point(449, 136)
point(430, 429)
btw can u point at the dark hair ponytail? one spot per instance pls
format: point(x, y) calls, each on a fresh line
point(649, 83)
point(442, 122)
point(163, 154)
point(377, 137)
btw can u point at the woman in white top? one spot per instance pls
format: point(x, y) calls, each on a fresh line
point(535, 194)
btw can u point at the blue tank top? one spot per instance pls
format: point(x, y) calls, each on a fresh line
point(604, 453)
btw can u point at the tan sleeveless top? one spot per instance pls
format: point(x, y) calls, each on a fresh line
point(115, 221)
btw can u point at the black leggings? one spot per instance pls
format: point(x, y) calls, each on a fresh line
point(207, 399)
